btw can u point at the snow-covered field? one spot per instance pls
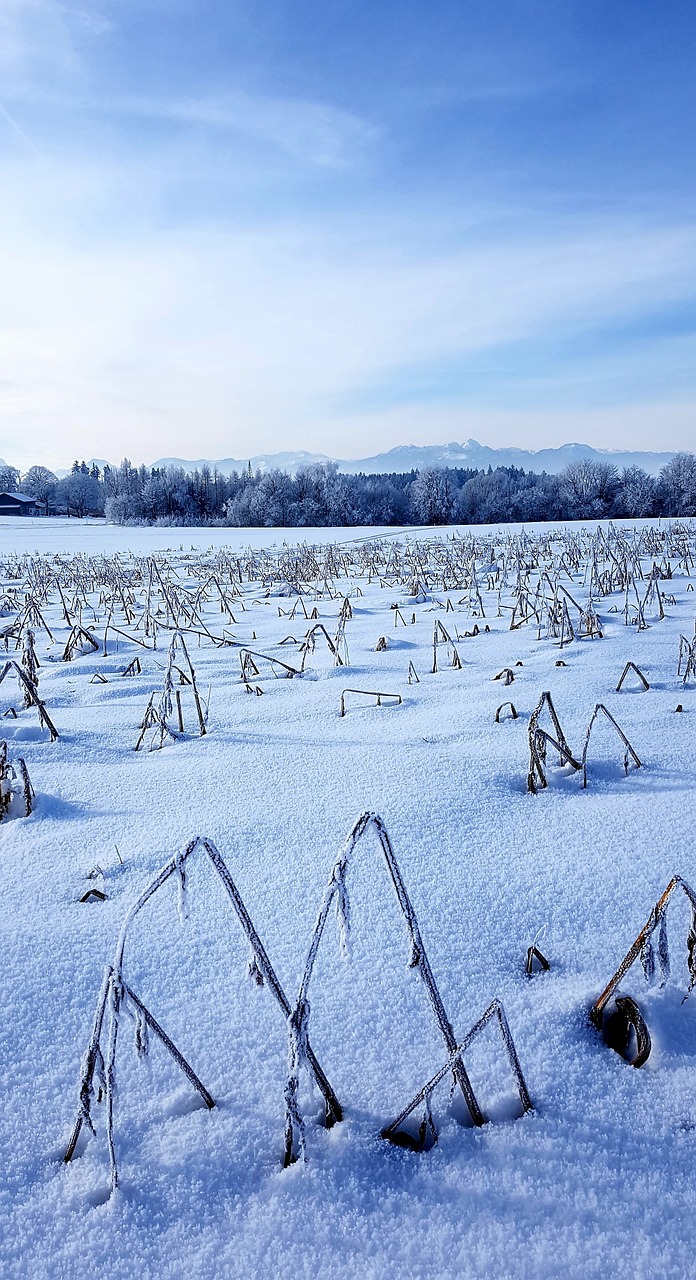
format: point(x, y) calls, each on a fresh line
point(596, 1180)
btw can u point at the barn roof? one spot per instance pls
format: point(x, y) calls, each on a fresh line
point(18, 497)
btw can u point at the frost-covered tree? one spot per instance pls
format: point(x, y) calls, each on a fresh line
point(275, 494)
point(678, 484)
point(432, 496)
point(81, 494)
point(9, 479)
point(590, 488)
point(636, 494)
point(40, 483)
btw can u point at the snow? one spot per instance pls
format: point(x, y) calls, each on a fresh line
point(596, 1181)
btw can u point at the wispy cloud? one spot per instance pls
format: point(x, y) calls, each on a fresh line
point(18, 132)
point(37, 40)
point(45, 48)
point(318, 132)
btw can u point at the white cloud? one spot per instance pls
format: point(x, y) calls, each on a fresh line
point(225, 342)
point(121, 334)
point(36, 37)
point(118, 335)
point(318, 132)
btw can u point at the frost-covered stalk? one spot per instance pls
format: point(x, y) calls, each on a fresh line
point(14, 783)
point(166, 703)
point(117, 997)
point(538, 740)
point(629, 749)
point(298, 1038)
point(13, 668)
point(643, 948)
point(686, 664)
point(418, 961)
point(30, 665)
point(423, 1097)
point(5, 782)
point(343, 909)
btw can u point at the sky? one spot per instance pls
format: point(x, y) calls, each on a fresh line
point(250, 226)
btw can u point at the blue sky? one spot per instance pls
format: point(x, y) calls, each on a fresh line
point(231, 228)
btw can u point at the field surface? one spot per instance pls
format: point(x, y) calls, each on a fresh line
point(260, 633)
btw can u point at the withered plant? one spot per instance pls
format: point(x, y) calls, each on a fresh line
point(16, 791)
point(30, 695)
point(158, 716)
point(631, 666)
point(79, 641)
point(391, 698)
point(427, 1132)
point(540, 739)
point(336, 894)
point(116, 997)
point(442, 637)
point(629, 752)
point(627, 1014)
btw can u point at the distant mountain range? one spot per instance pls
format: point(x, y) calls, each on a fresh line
point(470, 455)
point(416, 457)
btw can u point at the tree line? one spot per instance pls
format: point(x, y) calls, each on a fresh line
point(318, 495)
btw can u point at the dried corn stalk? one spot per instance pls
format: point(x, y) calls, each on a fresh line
point(30, 665)
point(336, 894)
point(686, 663)
point(629, 749)
point(79, 641)
point(631, 666)
point(495, 1010)
point(370, 693)
point(540, 739)
point(653, 960)
point(16, 791)
point(442, 637)
point(31, 697)
point(116, 997)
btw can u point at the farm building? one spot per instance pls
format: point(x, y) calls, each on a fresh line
point(19, 504)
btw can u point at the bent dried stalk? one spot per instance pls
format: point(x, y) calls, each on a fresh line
point(629, 749)
point(370, 693)
point(79, 637)
point(13, 668)
point(442, 637)
point(617, 1029)
point(538, 741)
point(249, 657)
point(535, 957)
point(309, 643)
point(643, 947)
point(336, 892)
point(686, 662)
point(631, 666)
point(501, 708)
point(158, 716)
point(177, 642)
point(155, 719)
point(14, 785)
point(116, 995)
point(507, 676)
point(494, 1010)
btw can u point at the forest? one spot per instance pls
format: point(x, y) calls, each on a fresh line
point(320, 496)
